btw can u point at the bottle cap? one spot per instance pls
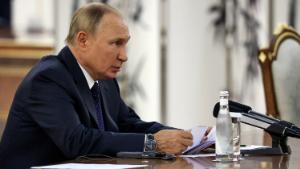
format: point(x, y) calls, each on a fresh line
point(224, 93)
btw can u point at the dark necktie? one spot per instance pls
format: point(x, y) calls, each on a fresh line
point(96, 96)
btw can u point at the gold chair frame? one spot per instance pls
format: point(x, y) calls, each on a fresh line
point(266, 57)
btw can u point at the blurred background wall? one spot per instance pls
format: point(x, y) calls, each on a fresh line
point(179, 55)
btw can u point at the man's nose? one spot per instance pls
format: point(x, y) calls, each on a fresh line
point(123, 55)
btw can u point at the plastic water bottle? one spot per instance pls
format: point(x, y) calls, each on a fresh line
point(224, 140)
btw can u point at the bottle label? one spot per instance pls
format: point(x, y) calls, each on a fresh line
point(223, 102)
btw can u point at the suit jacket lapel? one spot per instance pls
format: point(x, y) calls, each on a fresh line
point(110, 123)
point(70, 62)
point(89, 102)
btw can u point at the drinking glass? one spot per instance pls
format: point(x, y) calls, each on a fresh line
point(236, 135)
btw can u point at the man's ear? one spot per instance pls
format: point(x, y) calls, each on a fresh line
point(82, 39)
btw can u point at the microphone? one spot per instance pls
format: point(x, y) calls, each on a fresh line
point(238, 107)
point(233, 107)
point(250, 117)
point(241, 108)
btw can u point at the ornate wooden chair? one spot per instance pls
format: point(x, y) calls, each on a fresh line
point(280, 65)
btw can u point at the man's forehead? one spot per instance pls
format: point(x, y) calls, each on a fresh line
point(113, 21)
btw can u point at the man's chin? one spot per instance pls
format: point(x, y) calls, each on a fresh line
point(111, 76)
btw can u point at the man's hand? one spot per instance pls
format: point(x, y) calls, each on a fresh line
point(173, 141)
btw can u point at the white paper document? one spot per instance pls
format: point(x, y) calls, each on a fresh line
point(198, 133)
point(88, 166)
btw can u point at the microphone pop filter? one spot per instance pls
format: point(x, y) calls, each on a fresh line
point(233, 107)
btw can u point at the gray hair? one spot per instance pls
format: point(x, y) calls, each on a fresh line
point(87, 18)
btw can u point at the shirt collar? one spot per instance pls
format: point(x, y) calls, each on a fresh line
point(87, 76)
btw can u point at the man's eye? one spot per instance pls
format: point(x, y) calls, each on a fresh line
point(118, 42)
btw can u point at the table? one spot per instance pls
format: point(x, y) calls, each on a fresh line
point(249, 162)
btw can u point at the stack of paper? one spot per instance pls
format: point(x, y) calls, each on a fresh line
point(198, 133)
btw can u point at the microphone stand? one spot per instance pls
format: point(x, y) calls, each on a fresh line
point(279, 142)
point(277, 129)
point(277, 132)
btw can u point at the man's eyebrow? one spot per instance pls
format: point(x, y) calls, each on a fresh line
point(126, 39)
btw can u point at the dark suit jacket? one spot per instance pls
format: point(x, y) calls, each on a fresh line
point(53, 117)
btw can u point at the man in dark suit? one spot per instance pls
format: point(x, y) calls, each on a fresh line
point(69, 105)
